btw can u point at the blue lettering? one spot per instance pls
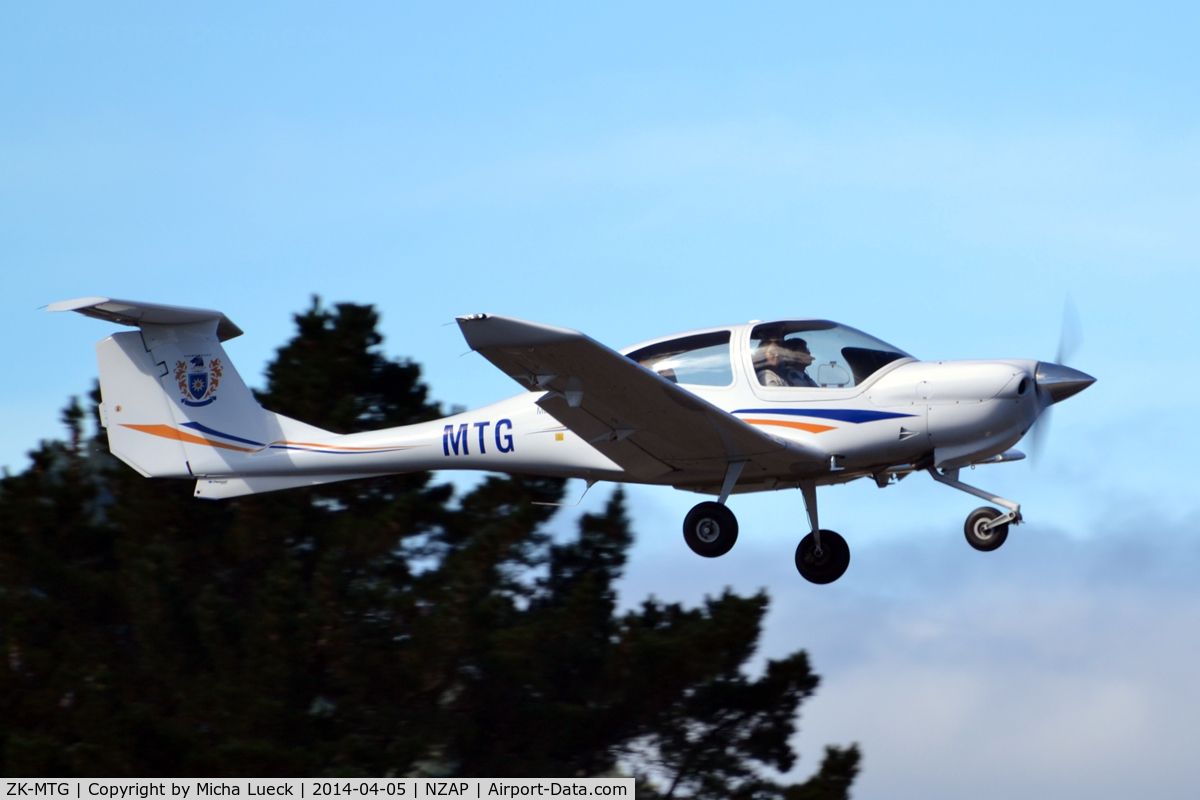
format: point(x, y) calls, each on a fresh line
point(452, 439)
point(481, 426)
point(503, 443)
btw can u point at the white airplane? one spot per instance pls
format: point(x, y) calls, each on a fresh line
point(796, 403)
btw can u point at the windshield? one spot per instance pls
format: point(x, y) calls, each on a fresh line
point(816, 354)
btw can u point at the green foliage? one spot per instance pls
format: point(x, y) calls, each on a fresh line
point(333, 375)
point(367, 628)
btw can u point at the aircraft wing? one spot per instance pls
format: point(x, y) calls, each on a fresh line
point(651, 427)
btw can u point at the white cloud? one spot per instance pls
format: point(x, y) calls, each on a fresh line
point(1056, 667)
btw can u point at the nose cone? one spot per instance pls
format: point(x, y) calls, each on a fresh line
point(1060, 382)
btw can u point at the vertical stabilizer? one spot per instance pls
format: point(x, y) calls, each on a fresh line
point(216, 417)
point(174, 406)
point(173, 403)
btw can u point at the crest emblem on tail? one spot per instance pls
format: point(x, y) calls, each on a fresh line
point(198, 380)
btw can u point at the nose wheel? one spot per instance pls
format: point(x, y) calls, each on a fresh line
point(710, 529)
point(825, 563)
point(980, 534)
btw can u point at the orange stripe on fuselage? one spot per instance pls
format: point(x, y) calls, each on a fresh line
point(801, 426)
point(167, 432)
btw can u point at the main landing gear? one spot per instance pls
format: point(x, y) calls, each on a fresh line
point(822, 561)
point(822, 556)
point(710, 530)
point(986, 528)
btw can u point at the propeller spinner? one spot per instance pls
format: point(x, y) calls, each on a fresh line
point(1056, 382)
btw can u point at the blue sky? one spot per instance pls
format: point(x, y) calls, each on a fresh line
point(940, 176)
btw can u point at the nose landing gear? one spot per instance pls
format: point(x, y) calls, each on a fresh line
point(986, 528)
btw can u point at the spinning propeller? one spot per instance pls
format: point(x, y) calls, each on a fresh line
point(1056, 381)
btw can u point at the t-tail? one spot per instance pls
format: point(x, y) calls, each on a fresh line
point(174, 406)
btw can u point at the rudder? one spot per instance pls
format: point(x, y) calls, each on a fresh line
point(133, 403)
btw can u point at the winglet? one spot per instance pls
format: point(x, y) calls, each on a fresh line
point(134, 313)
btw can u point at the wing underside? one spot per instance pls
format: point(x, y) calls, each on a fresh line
point(654, 429)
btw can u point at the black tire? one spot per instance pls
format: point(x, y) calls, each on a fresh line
point(979, 538)
point(827, 567)
point(710, 529)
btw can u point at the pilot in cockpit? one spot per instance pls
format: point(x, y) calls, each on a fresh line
point(799, 360)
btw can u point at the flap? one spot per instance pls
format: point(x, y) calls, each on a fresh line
point(640, 420)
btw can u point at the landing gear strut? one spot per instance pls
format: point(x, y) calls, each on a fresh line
point(986, 528)
point(822, 556)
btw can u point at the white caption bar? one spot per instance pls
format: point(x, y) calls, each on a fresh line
point(308, 789)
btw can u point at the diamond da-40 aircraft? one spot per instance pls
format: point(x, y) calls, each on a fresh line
point(796, 403)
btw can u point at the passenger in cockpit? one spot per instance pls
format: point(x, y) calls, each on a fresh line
point(769, 363)
point(783, 363)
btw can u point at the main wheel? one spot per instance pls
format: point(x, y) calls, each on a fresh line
point(977, 536)
point(826, 566)
point(710, 529)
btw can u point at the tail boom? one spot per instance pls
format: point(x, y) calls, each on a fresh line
point(174, 406)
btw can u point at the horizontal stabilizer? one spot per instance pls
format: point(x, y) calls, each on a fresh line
point(224, 488)
point(135, 313)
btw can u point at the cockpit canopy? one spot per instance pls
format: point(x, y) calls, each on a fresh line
point(817, 353)
point(789, 353)
point(701, 360)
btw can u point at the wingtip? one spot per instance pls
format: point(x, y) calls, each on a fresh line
point(76, 304)
point(501, 331)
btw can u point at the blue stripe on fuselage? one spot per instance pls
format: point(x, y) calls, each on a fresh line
point(854, 415)
point(196, 426)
